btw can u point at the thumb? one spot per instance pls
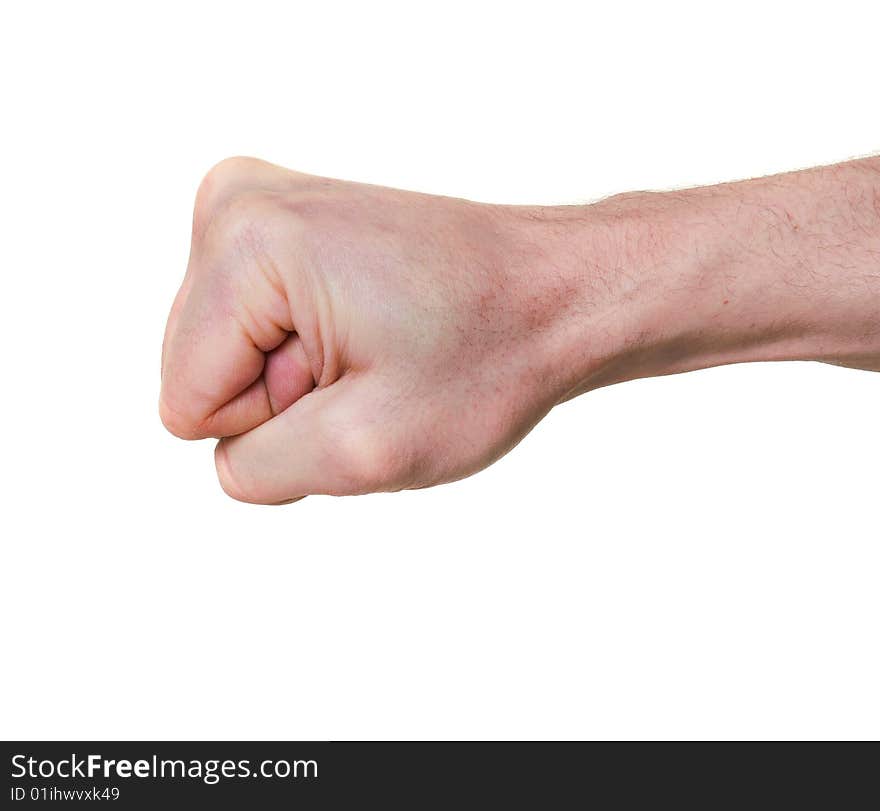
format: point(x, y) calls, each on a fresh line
point(328, 442)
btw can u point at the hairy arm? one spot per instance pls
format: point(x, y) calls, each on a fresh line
point(778, 268)
point(343, 338)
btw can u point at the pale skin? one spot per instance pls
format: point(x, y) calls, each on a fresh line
point(340, 338)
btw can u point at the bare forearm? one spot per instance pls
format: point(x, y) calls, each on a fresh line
point(778, 268)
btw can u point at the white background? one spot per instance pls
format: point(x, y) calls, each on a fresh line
point(694, 556)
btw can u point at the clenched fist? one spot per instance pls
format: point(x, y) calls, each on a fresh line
point(342, 338)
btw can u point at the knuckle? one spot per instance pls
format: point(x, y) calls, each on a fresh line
point(242, 202)
point(223, 184)
point(222, 177)
point(179, 423)
point(367, 460)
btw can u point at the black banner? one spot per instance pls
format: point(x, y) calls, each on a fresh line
point(161, 775)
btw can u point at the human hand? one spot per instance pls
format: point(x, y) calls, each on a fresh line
point(344, 338)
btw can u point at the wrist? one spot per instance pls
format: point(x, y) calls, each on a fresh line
point(596, 284)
